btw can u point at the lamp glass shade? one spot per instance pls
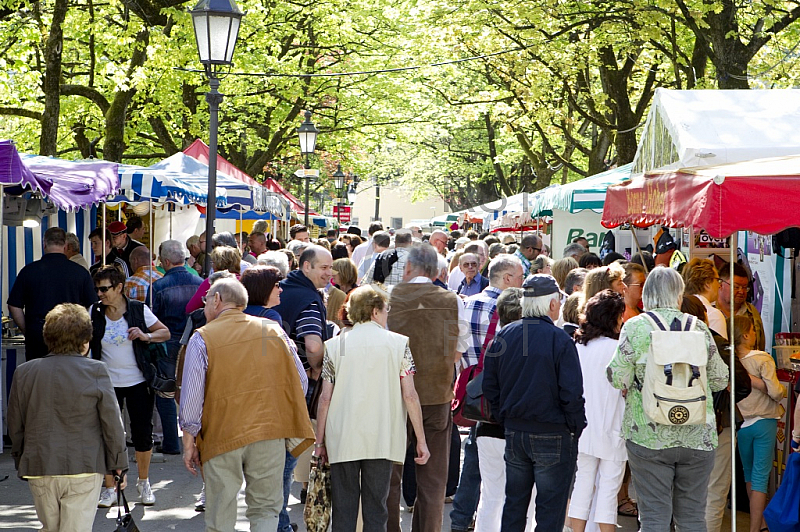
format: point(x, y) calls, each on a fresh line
point(338, 177)
point(351, 195)
point(216, 29)
point(308, 135)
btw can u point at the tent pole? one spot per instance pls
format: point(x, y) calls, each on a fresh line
point(150, 239)
point(636, 241)
point(733, 389)
point(105, 232)
point(170, 223)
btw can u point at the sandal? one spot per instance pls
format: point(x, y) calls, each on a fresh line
point(627, 508)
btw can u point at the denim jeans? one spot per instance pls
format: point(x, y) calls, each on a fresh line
point(671, 485)
point(167, 410)
point(284, 524)
point(547, 461)
point(465, 503)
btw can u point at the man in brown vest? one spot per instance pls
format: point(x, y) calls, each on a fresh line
point(432, 318)
point(241, 402)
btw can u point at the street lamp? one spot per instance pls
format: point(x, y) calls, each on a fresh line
point(308, 142)
point(352, 194)
point(338, 177)
point(216, 29)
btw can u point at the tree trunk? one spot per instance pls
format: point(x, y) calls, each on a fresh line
point(117, 114)
point(52, 81)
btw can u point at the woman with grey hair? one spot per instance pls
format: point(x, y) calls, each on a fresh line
point(660, 454)
point(277, 259)
point(542, 264)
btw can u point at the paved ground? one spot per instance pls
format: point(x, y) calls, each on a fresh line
point(175, 490)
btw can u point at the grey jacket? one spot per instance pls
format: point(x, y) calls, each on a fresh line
point(63, 418)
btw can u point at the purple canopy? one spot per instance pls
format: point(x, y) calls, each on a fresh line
point(73, 184)
point(12, 170)
point(68, 185)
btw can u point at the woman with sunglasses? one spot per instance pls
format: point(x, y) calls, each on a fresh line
point(120, 327)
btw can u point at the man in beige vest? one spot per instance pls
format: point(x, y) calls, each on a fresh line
point(432, 318)
point(241, 402)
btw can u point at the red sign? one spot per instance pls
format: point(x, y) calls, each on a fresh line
point(343, 212)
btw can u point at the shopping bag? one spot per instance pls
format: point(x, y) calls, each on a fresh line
point(783, 511)
point(317, 513)
point(124, 522)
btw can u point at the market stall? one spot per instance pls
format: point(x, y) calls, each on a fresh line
point(760, 197)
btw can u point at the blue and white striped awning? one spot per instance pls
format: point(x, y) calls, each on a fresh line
point(138, 183)
point(195, 173)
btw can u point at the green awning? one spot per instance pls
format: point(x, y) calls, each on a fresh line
point(586, 193)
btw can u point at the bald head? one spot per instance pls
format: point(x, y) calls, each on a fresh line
point(139, 257)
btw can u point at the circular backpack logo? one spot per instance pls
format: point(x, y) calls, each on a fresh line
point(678, 415)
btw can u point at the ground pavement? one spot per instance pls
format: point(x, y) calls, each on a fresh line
point(176, 491)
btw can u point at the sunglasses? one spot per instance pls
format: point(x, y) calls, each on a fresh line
point(102, 289)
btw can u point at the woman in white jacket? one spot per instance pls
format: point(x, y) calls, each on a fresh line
point(601, 449)
point(761, 411)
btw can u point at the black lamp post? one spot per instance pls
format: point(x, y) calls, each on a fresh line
point(216, 29)
point(308, 142)
point(338, 177)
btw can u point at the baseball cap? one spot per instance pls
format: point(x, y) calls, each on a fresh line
point(540, 285)
point(117, 227)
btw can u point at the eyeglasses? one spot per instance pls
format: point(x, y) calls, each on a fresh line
point(470, 264)
point(739, 287)
point(102, 289)
point(634, 284)
point(535, 249)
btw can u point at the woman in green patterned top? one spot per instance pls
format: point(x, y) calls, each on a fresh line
point(670, 465)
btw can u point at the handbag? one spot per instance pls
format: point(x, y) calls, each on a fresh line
point(783, 511)
point(156, 358)
point(317, 513)
point(125, 522)
point(467, 376)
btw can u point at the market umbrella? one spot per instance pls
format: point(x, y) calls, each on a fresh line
point(761, 196)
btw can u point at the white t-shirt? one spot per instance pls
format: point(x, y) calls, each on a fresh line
point(117, 351)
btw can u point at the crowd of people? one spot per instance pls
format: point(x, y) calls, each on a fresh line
point(345, 350)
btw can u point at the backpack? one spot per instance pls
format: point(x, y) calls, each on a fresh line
point(675, 383)
point(383, 265)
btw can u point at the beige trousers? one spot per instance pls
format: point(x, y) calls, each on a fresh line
point(261, 463)
point(66, 504)
point(719, 483)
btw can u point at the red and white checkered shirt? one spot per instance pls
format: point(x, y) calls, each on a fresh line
point(136, 285)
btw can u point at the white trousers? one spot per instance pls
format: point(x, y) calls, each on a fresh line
point(719, 483)
point(493, 486)
point(597, 483)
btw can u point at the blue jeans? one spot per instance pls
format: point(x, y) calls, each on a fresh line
point(167, 410)
point(469, 487)
point(288, 469)
point(547, 461)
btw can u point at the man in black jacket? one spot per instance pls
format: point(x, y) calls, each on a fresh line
point(533, 382)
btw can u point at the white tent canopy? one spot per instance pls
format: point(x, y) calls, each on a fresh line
point(710, 127)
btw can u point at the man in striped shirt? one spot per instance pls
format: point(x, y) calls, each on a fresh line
point(505, 271)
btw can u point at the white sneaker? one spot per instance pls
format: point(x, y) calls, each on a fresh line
point(200, 506)
point(143, 487)
point(108, 498)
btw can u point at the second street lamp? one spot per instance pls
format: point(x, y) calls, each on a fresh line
point(216, 29)
point(338, 177)
point(308, 143)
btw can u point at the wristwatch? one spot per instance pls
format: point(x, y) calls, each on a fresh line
point(318, 445)
point(149, 337)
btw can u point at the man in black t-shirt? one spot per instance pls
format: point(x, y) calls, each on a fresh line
point(43, 284)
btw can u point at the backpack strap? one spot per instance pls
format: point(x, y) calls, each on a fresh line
point(489, 337)
point(657, 321)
